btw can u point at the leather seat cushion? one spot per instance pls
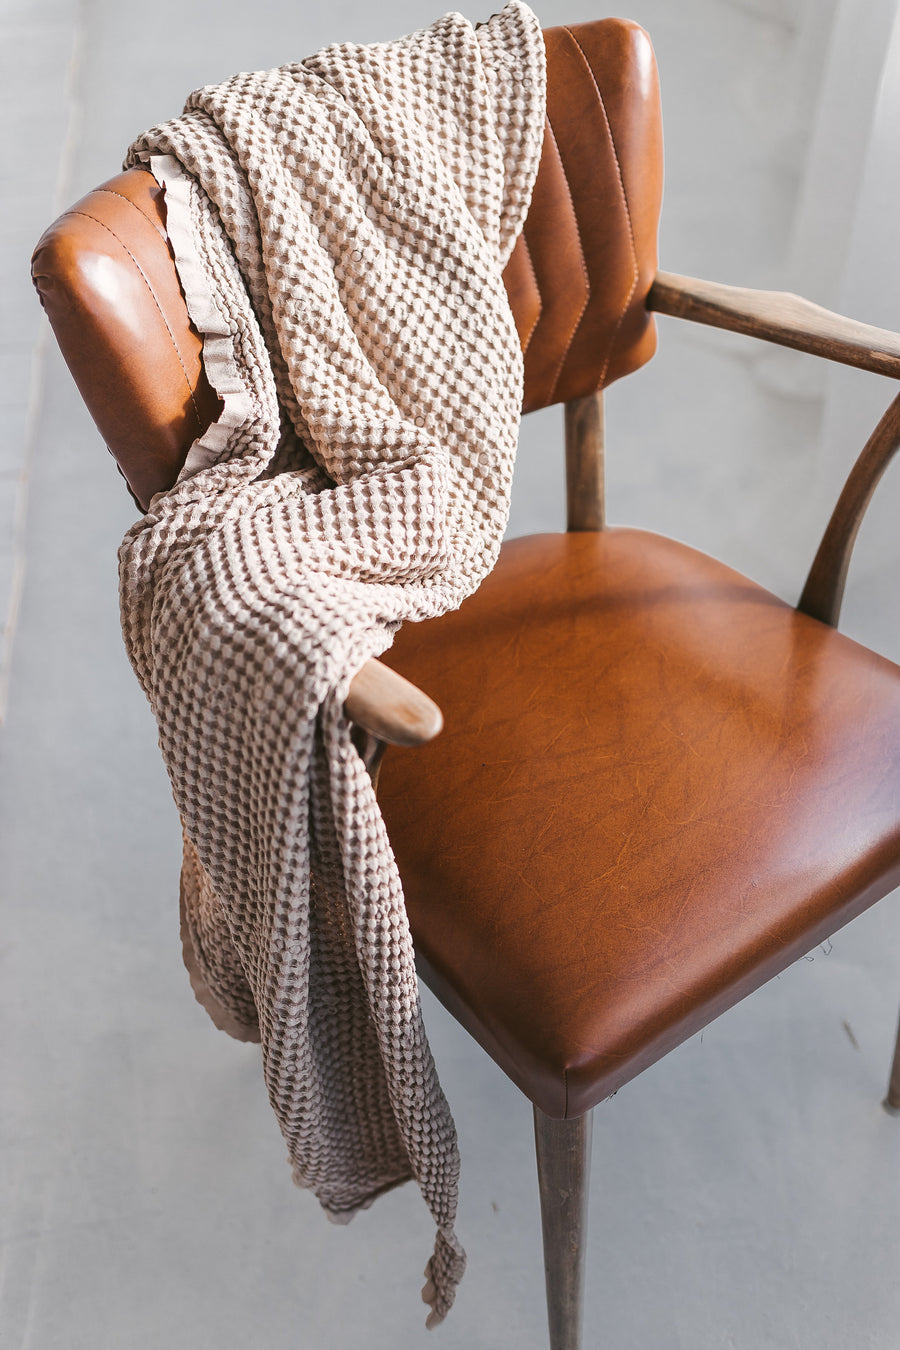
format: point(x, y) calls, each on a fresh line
point(657, 786)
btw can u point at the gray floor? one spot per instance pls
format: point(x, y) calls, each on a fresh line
point(745, 1190)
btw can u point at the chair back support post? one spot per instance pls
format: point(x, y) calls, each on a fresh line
point(824, 588)
point(585, 488)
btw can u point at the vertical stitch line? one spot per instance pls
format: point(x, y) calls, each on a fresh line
point(582, 261)
point(621, 184)
point(530, 334)
point(146, 282)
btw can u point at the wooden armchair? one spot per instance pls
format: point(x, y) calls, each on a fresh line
point(658, 784)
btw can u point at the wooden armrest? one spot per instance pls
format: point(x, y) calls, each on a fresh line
point(778, 316)
point(390, 708)
point(824, 589)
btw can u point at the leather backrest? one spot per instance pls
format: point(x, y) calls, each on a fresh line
point(579, 276)
point(106, 277)
point(577, 280)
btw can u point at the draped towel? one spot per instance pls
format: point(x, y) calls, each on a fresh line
point(340, 227)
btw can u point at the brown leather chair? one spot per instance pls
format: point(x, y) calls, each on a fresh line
point(658, 784)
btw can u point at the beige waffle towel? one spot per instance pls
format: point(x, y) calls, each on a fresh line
point(340, 228)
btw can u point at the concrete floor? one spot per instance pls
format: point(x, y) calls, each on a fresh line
point(745, 1190)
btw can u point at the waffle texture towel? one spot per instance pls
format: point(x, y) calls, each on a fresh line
point(340, 228)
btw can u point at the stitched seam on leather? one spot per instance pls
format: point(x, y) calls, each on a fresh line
point(537, 318)
point(622, 193)
point(113, 193)
point(87, 215)
point(581, 259)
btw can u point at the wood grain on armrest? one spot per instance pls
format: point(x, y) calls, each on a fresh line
point(390, 708)
point(778, 316)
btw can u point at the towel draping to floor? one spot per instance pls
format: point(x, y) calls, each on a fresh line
point(340, 227)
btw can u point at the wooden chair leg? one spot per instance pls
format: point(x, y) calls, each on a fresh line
point(892, 1100)
point(563, 1150)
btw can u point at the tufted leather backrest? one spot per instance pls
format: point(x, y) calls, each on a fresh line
point(106, 277)
point(579, 276)
point(577, 280)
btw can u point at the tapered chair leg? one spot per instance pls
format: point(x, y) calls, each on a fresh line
point(563, 1150)
point(892, 1100)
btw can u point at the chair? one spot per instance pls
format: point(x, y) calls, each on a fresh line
point(658, 784)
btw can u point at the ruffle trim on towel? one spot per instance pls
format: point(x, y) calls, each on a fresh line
point(218, 340)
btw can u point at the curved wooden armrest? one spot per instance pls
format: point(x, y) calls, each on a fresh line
point(391, 709)
point(824, 589)
point(778, 316)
